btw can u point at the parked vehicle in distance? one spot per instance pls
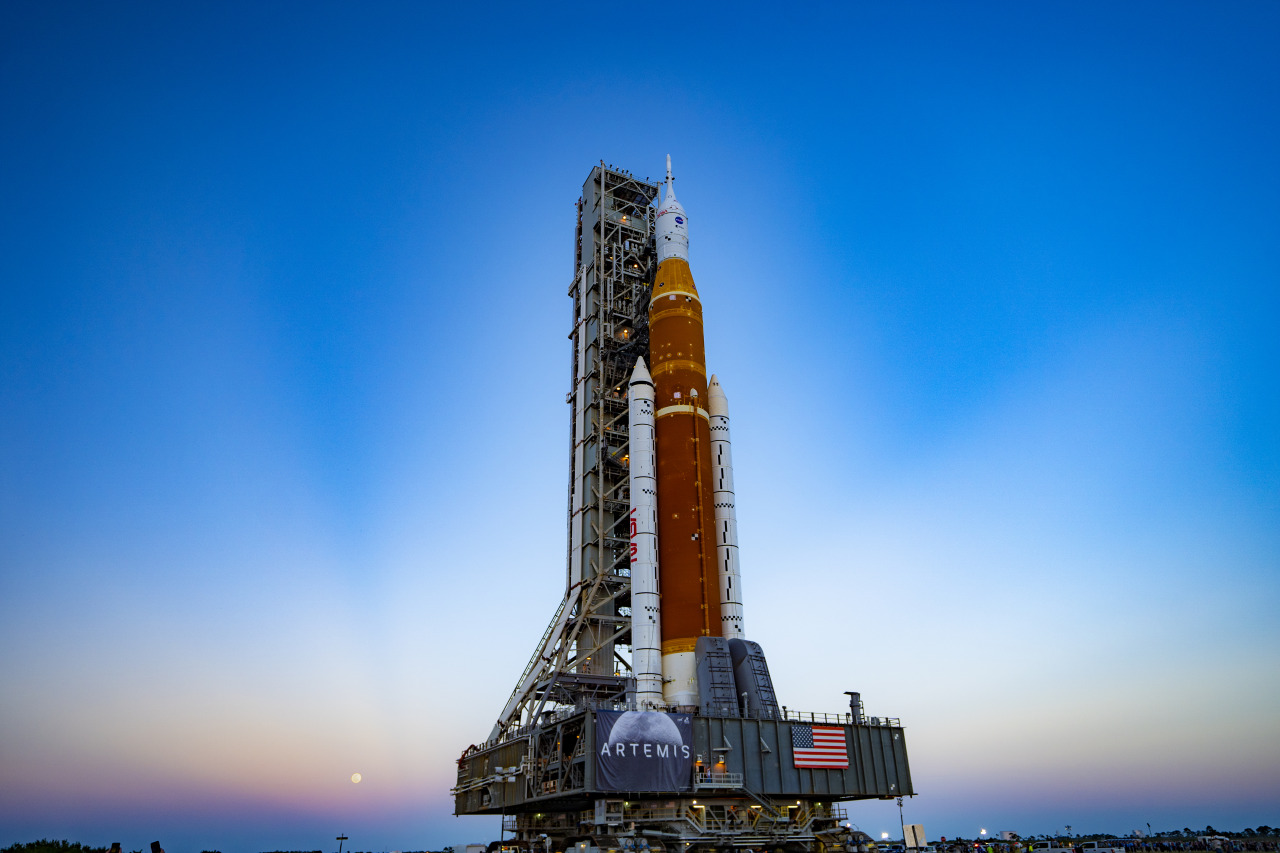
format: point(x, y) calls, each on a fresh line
point(1108, 845)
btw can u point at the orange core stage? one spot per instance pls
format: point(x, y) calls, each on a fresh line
point(688, 575)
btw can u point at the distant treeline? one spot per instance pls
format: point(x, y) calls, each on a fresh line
point(44, 845)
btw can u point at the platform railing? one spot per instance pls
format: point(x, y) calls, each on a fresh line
point(837, 719)
point(783, 714)
point(706, 781)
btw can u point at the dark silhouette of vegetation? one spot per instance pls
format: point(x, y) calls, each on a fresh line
point(44, 845)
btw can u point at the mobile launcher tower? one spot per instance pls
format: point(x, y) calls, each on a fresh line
point(646, 720)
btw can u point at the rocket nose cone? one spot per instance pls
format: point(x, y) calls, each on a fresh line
point(717, 402)
point(669, 189)
point(640, 373)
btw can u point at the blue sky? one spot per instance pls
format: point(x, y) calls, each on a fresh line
point(992, 289)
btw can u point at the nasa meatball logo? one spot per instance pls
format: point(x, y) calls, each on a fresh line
point(643, 750)
point(679, 220)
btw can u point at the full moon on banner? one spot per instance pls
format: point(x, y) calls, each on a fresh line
point(643, 751)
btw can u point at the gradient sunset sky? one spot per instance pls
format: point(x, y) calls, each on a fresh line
point(993, 289)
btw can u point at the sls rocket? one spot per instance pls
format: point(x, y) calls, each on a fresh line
point(685, 580)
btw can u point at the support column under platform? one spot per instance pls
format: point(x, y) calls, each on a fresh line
point(721, 821)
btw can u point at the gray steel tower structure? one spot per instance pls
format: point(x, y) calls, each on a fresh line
point(577, 657)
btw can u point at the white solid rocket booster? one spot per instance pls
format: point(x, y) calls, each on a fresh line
point(646, 616)
point(726, 513)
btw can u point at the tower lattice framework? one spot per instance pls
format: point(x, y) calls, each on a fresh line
point(578, 657)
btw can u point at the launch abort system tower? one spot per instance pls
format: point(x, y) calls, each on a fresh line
point(645, 719)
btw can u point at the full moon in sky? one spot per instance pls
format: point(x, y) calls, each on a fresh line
point(356, 777)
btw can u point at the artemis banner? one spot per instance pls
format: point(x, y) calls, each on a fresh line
point(643, 751)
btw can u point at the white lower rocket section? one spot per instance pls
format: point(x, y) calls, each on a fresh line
point(726, 512)
point(680, 687)
point(646, 614)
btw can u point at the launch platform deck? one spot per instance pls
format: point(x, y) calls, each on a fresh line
point(553, 767)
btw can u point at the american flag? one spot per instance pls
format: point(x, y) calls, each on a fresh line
point(818, 746)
